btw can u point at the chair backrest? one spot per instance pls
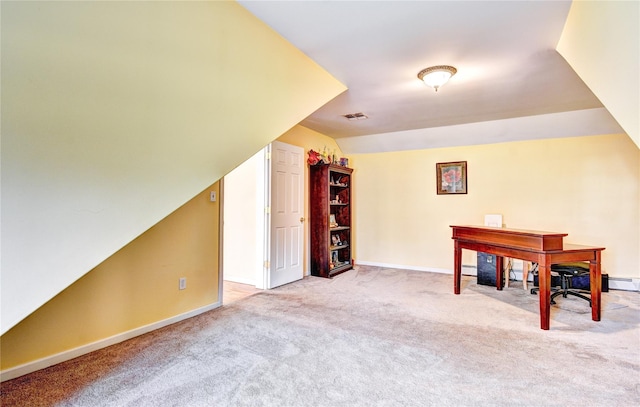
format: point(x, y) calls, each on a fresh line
point(576, 269)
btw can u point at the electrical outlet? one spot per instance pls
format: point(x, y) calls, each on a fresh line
point(212, 196)
point(182, 284)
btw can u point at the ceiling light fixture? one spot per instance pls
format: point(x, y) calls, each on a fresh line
point(436, 76)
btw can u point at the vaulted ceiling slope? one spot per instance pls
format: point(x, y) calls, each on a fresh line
point(505, 53)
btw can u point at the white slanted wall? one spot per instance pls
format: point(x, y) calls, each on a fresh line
point(114, 114)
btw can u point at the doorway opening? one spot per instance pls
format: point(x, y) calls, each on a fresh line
point(243, 229)
point(263, 222)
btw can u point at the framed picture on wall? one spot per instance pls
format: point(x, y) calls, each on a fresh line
point(451, 178)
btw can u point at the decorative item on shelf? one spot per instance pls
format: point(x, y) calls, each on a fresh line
point(314, 158)
point(332, 221)
point(335, 240)
point(319, 158)
point(451, 178)
point(324, 157)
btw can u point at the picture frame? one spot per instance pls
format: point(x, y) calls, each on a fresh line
point(451, 178)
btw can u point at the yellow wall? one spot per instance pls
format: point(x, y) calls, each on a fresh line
point(137, 286)
point(585, 186)
point(309, 139)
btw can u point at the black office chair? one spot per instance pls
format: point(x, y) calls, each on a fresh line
point(567, 272)
point(562, 276)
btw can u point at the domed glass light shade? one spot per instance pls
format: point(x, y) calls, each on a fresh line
point(436, 76)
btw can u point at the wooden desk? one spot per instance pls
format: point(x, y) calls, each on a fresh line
point(544, 248)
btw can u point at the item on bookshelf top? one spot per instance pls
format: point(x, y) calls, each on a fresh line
point(451, 178)
point(344, 162)
point(314, 158)
point(320, 158)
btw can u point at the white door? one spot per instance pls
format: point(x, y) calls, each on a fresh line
point(286, 197)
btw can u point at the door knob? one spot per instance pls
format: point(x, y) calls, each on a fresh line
point(301, 220)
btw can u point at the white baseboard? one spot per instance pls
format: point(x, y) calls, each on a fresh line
point(404, 267)
point(625, 284)
point(45, 362)
point(615, 283)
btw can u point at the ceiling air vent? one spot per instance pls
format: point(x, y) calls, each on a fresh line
point(356, 116)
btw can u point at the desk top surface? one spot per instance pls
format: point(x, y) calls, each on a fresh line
point(534, 240)
point(568, 247)
point(510, 231)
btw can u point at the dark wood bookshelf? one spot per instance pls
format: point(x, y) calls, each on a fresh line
point(330, 200)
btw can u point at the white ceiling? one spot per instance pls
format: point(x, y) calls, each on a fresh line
point(504, 51)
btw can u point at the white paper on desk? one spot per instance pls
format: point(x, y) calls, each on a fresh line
point(493, 220)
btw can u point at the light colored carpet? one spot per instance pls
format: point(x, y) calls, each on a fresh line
point(369, 337)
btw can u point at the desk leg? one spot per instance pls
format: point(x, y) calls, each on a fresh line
point(595, 279)
point(499, 272)
point(457, 267)
point(544, 279)
point(525, 275)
